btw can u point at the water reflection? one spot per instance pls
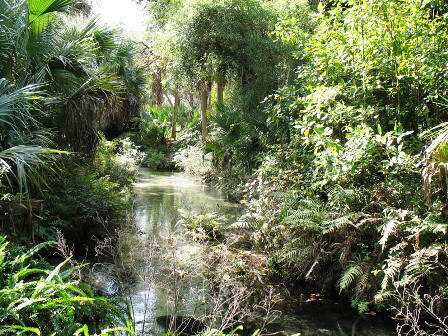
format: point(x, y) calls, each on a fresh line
point(168, 257)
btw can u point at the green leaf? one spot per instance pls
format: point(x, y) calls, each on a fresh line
point(5, 329)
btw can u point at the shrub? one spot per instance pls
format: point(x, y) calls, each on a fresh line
point(151, 133)
point(36, 298)
point(156, 160)
point(209, 226)
point(119, 160)
point(85, 206)
point(193, 161)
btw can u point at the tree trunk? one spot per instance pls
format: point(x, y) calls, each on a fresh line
point(159, 87)
point(204, 102)
point(221, 84)
point(175, 108)
point(168, 99)
point(191, 102)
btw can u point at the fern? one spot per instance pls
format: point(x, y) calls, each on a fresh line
point(339, 223)
point(31, 293)
point(391, 272)
point(389, 229)
point(423, 262)
point(353, 271)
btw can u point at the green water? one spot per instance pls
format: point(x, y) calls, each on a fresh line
point(170, 265)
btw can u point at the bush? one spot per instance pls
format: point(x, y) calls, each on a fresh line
point(36, 298)
point(156, 160)
point(90, 201)
point(193, 161)
point(203, 227)
point(119, 160)
point(85, 207)
point(151, 133)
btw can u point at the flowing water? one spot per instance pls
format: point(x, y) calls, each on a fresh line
point(171, 280)
point(170, 265)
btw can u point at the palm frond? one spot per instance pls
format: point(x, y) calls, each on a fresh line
point(101, 80)
point(27, 165)
point(15, 105)
point(41, 12)
point(106, 39)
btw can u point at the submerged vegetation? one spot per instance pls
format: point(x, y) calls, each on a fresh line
point(327, 119)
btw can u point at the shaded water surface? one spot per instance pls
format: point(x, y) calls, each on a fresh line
point(163, 253)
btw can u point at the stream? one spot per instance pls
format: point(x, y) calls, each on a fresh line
point(171, 268)
point(170, 278)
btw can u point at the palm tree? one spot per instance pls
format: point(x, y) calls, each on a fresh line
point(83, 67)
point(24, 150)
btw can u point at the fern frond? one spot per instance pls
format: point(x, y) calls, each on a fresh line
point(362, 283)
point(338, 223)
point(394, 266)
point(243, 224)
point(353, 271)
point(389, 229)
point(423, 262)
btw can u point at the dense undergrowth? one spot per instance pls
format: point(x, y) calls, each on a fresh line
point(39, 299)
point(90, 201)
point(342, 161)
point(327, 118)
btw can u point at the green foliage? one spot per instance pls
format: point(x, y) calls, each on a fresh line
point(153, 126)
point(86, 68)
point(338, 202)
point(119, 160)
point(235, 143)
point(203, 227)
point(36, 298)
point(41, 12)
point(231, 41)
point(322, 113)
point(384, 53)
point(24, 156)
point(85, 207)
point(158, 161)
point(214, 332)
point(90, 201)
point(62, 77)
point(193, 161)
